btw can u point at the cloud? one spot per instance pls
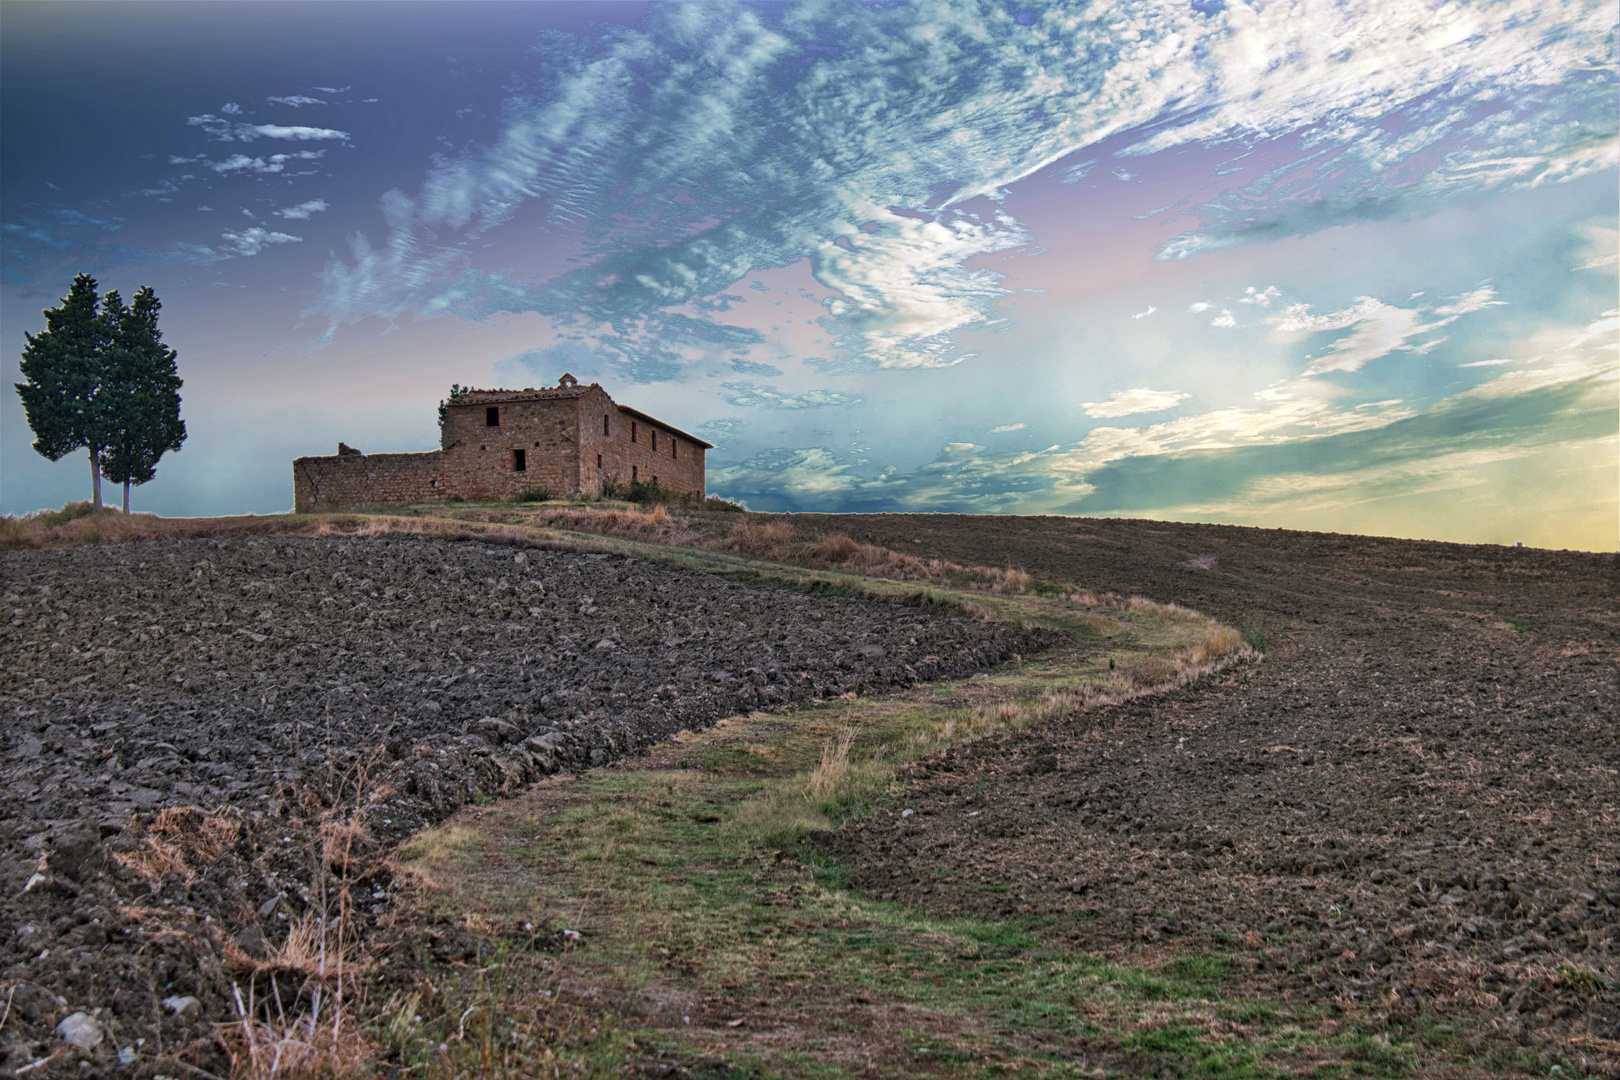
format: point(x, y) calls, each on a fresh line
point(715, 140)
point(1251, 295)
point(231, 108)
point(270, 164)
point(721, 428)
point(1379, 328)
point(297, 101)
point(250, 242)
point(335, 90)
point(236, 131)
point(1006, 428)
point(1224, 320)
point(751, 395)
point(1138, 400)
point(303, 210)
point(1198, 307)
point(1144, 314)
point(754, 367)
point(1600, 248)
point(1489, 363)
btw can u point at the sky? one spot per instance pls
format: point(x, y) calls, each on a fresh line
point(1344, 266)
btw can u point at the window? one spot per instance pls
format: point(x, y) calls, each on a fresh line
point(633, 470)
point(632, 431)
point(492, 416)
point(674, 449)
point(598, 461)
point(655, 479)
point(655, 440)
point(520, 461)
point(604, 425)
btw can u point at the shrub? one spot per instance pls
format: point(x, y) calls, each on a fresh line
point(533, 495)
point(642, 491)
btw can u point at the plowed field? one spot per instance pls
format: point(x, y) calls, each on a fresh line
point(1409, 806)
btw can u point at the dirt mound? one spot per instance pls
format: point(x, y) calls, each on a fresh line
point(317, 699)
point(1409, 806)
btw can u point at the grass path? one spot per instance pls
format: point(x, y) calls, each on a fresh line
point(715, 938)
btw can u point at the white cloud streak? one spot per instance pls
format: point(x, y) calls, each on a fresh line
point(861, 160)
point(1137, 400)
point(235, 131)
point(303, 210)
point(1379, 328)
point(250, 242)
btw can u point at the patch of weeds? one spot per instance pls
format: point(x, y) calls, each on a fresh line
point(1042, 587)
point(1203, 970)
point(1375, 1055)
point(1254, 636)
point(1520, 626)
point(533, 495)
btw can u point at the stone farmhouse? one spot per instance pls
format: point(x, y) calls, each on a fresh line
point(497, 444)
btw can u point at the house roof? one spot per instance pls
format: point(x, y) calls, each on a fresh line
point(567, 390)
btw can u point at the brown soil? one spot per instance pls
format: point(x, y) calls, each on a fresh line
point(206, 743)
point(1409, 806)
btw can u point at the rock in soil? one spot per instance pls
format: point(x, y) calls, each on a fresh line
point(185, 722)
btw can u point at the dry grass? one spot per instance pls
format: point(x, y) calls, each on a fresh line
point(833, 771)
point(182, 840)
point(324, 1042)
point(775, 540)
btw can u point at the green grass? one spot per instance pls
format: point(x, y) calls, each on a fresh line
point(694, 877)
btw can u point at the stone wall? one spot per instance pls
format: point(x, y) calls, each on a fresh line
point(566, 443)
point(637, 448)
point(481, 458)
point(348, 480)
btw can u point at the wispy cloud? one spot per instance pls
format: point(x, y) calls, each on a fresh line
point(236, 131)
point(297, 101)
point(1137, 400)
point(1379, 328)
point(1004, 428)
point(751, 395)
point(269, 164)
point(1144, 314)
point(303, 210)
point(250, 242)
point(712, 142)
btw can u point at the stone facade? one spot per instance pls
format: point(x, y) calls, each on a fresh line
point(497, 444)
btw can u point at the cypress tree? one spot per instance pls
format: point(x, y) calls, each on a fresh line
point(63, 368)
point(141, 392)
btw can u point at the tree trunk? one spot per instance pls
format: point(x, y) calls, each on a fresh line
point(126, 496)
point(95, 478)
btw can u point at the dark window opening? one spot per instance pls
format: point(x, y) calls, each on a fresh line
point(674, 449)
point(520, 461)
point(655, 479)
point(598, 461)
point(604, 424)
point(492, 416)
point(633, 470)
point(632, 431)
point(655, 440)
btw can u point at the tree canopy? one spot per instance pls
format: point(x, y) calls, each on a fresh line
point(141, 387)
point(100, 377)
